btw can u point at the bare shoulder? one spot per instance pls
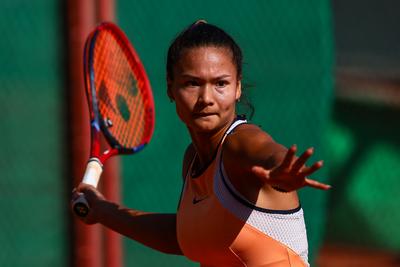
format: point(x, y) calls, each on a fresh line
point(247, 139)
point(249, 145)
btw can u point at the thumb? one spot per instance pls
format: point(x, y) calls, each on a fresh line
point(260, 172)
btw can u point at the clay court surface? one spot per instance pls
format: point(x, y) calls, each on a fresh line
point(335, 256)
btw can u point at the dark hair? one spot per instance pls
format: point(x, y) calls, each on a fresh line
point(203, 34)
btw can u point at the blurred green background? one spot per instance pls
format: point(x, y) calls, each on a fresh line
point(289, 53)
point(288, 63)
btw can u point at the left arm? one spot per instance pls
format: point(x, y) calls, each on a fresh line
point(250, 152)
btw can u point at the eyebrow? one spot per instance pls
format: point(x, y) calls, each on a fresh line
point(185, 75)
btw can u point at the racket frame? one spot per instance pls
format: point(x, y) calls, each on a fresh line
point(97, 122)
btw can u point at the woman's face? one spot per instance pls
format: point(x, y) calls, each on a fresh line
point(205, 88)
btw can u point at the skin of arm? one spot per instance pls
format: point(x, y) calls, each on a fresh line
point(155, 230)
point(248, 146)
point(187, 160)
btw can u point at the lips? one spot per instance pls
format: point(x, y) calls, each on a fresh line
point(202, 114)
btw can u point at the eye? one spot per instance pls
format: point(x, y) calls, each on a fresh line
point(221, 83)
point(191, 83)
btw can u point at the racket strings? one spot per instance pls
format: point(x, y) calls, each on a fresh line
point(136, 103)
point(122, 83)
point(135, 133)
point(121, 73)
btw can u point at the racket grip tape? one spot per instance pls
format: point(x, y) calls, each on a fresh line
point(93, 172)
point(92, 176)
point(81, 206)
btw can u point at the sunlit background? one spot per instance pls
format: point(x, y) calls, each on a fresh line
point(320, 73)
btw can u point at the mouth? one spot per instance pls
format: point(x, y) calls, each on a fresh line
point(203, 115)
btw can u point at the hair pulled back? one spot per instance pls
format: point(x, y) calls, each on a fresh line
point(202, 34)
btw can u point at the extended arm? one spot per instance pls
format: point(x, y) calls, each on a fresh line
point(157, 231)
point(252, 153)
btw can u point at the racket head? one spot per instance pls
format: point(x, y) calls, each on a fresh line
point(118, 90)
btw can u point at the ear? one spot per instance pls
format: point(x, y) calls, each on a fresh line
point(238, 90)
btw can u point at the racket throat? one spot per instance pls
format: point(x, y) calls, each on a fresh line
point(93, 172)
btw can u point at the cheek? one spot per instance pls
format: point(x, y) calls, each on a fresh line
point(226, 98)
point(184, 100)
point(183, 105)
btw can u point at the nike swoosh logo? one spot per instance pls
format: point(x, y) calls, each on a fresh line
point(197, 200)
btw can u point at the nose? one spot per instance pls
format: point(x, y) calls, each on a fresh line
point(206, 95)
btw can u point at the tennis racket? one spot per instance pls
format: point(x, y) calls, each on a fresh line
point(120, 101)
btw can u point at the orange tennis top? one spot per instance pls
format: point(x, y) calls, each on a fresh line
point(218, 227)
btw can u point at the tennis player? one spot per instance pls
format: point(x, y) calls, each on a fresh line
point(239, 205)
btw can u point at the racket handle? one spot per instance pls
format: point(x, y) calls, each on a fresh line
point(93, 171)
point(81, 206)
point(92, 176)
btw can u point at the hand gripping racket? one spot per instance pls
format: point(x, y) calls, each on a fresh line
point(120, 101)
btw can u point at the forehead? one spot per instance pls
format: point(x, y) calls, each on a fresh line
point(204, 58)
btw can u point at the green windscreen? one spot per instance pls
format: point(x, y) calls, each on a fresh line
point(288, 55)
point(288, 58)
point(364, 145)
point(32, 199)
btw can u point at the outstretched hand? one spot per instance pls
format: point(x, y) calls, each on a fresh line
point(292, 173)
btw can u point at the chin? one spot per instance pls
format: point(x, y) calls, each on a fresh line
point(206, 124)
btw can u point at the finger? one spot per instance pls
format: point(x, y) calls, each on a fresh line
point(299, 163)
point(317, 185)
point(84, 188)
point(316, 166)
point(75, 196)
point(260, 172)
point(287, 161)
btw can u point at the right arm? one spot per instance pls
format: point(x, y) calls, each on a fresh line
point(155, 230)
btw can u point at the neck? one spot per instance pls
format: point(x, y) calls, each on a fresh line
point(207, 143)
